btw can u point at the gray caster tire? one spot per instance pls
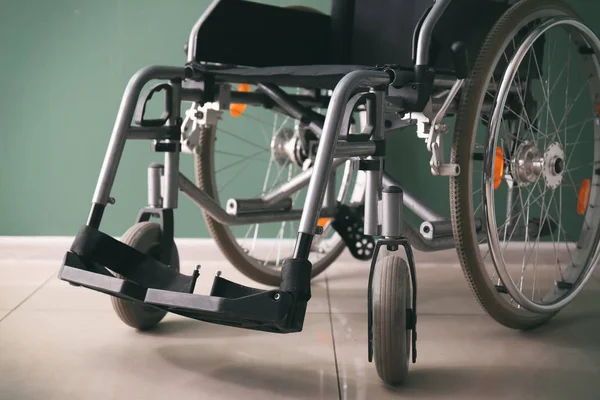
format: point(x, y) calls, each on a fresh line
point(391, 338)
point(144, 237)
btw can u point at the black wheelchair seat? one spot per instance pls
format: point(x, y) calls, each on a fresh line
point(244, 41)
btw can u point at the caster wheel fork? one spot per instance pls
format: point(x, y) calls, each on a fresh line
point(392, 316)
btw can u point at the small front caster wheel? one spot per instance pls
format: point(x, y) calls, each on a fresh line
point(391, 333)
point(146, 238)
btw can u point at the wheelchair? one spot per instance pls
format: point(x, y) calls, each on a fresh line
point(523, 175)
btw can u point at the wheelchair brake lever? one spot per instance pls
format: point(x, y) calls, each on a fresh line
point(434, 138)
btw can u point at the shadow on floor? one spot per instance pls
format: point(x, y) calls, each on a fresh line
point(181, 327)
point(256, 368)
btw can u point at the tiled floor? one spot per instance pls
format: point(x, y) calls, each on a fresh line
point(62, 342)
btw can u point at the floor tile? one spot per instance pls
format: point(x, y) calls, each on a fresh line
point(90, 355)
point(19, 278)
point(440, 290)
point(12, 296)
point(472, 357)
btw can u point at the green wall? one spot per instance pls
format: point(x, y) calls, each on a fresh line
point(64, 66)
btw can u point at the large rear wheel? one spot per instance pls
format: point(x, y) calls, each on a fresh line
point(527, 140)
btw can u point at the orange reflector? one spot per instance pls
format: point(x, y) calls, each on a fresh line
point(323, 221)
point(584, 196)
point(498, 167)
point(236, 109)
point(598, 110)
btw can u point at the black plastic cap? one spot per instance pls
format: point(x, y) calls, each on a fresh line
point(460, 60)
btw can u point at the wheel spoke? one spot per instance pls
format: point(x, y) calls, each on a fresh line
point(250, 157)
point(242, 139)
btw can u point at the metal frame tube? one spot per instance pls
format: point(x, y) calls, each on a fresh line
point(256, 205)
point(122, 124)
point(172, 157)
point(392, 215)
point(214, 209)
point(420, 243)
point(171, 177)
point(362, 79)
point(372, 190)
point(375, 120)
point(292, 107)
point(296, 183)
point(329, 202)
point(355, 149)
point(155, 172)
point(426, 31)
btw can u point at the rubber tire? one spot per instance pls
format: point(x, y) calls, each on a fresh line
point(144, 237)
point(461, 190)
point(223, 237)
point(391, 338)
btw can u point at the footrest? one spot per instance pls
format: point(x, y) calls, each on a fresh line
point(277, 311)
point(236, 305)
point(81, 273)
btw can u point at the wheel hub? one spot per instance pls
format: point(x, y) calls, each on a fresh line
point(529, 164)
point(554, 165)
point(285, 147)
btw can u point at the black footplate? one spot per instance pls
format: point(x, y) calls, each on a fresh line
point(94, 255)
point(349, 224)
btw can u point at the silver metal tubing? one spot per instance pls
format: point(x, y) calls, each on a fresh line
point(375, 119)
point(147, 133)
point(356, 80)
point(191, 49)
point(292, 107)
point(372, 191)
point(329, 202)
point(420, 243)
point(172, 157)
point(379, 123)
point(443, 82)
point(206, 203)
point(354, 149)
point(247, 206)
point(155, 172)
point(436, 229)
point(426, 31)
point(171, 177)
point(392, 215)
point(421, 209)
point(447, 102)
point(121, 127)
point(296, 183)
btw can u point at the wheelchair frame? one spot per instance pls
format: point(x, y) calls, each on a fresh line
point(84, 263)
point(431, 97)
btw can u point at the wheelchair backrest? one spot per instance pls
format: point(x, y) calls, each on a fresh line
point(384, 31)
point(360, 32)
